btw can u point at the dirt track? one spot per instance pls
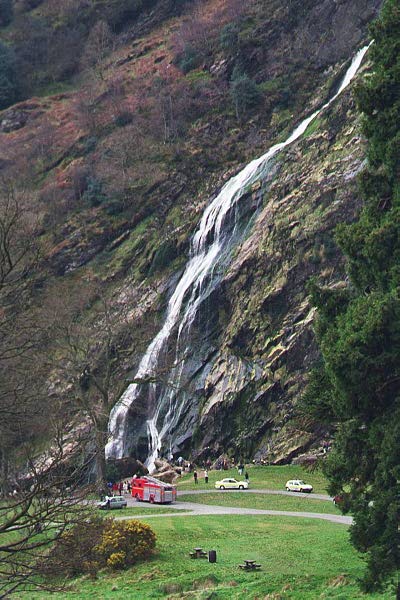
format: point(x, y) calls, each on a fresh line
point(194, 509)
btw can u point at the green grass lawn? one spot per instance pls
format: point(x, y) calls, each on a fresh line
point(141, 510)
point(260, 477)
point(301, 559)
point(262, 501)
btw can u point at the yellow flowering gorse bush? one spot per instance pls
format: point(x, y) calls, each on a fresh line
point(100, 543)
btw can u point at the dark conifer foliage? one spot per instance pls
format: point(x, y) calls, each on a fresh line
point(359, 327)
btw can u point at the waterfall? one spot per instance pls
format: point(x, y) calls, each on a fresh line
point(211, 248)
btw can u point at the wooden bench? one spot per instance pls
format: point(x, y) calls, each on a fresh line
point(250, 565)
point(198, 553)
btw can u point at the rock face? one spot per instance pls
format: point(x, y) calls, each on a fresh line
point(266, 344)
point(254, 342)
point(253, 345)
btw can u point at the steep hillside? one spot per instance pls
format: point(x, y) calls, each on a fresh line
point(159, 106)
point(267, 344)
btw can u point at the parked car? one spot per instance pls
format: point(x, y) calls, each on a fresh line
point(231, 484)
point(298, 485)
point(111, 502)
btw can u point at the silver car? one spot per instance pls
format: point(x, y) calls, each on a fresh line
point(111, 502)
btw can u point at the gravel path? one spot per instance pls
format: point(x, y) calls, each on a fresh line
point(256, 491)
point(205, 509)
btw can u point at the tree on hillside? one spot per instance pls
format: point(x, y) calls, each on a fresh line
point(84, 343)
point(46, 500)
point(6, 12)
point(97, 48)
point(358, 386)
point(36, 506)
point(9, 88)
point(244, 92)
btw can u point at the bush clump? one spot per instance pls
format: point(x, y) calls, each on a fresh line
point(244, 92)
point(163, 256)
point(229, 38)
point(93, 193)
point(125, 543)
point(189, 59)
point(6, 12)
point(8, 77)
point(99, 543)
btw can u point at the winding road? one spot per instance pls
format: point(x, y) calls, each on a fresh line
point(193, 509)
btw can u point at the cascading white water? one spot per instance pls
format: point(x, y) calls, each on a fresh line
point(210, 245)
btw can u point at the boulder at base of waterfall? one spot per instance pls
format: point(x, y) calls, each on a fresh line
point(306, 460)
point(167, 476)
point(162, 465)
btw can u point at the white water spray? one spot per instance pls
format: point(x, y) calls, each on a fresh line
point(210, 244)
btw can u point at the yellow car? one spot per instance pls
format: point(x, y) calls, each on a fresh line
point(231, 484)
point(298, 485)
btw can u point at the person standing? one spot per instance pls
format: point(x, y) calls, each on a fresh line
point(205, 476)
point(195, 477)
point(120, 487)
point(246, 476)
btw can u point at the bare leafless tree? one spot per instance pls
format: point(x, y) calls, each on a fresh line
point(35, 506)
point(83, 351)
point(47, 499)
point(97, 48)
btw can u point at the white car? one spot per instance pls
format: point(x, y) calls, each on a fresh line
point(231, 484)
point(298, 485)
point(111, 502)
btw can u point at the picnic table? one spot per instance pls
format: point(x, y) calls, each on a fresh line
point(198, 553)
point(250, 565)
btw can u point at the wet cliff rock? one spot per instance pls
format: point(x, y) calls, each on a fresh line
point(120, 168)
point(266, 344)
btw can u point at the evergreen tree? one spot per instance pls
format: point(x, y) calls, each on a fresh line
point(244, 92)
point(6, 12)
point(8, 77)
point(358, 388)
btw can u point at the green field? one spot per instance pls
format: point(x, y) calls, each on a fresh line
point(263, 501)
point(141, 510)
point(301, 559)
point(273, 477)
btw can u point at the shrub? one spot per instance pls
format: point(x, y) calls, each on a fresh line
point(89, 144)
point(93, 193)
point(123, 118)
point(73, 553)
point(116, 561)
point(99, 543)
point(164, 255)
point(6, 12)
point(189, 59)
point(125, 543)
point(79, 177)
point(8, 77)
point(119, 13)
point(30, 4)
point(229, 37)
point(244, 92)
